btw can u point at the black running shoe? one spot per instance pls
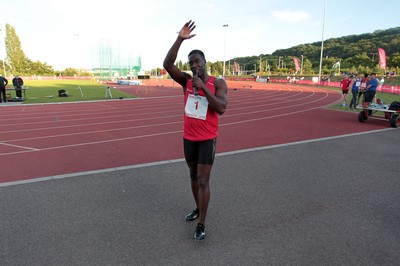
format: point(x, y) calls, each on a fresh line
point(200, 232)
point(192, 216)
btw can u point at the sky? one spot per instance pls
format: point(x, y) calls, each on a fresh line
point(68, 33)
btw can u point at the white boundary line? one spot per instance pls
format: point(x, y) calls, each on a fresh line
point(107, 170)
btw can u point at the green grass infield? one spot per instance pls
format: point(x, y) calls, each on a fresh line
point(46, 91)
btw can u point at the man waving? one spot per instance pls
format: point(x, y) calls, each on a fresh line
point(205, 98)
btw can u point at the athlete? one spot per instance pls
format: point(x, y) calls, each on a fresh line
point(363, 87)
point(355, 86)
point(344, 85)
point(205, 97)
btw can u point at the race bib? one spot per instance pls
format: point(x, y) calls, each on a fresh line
point(196, 107)
point(358, 84)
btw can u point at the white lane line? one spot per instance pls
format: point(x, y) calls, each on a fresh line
point(172, 132)
point(18, 146)
point(125, 108)
point(163, 133)
point(96, 131)
point(163, 117)
point(129, 167)
point(171, 123)
point(94, 142)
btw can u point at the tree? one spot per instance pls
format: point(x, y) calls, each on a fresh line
point(15, 56)
point(70, 72)
point(395, 60)
point(307, 66)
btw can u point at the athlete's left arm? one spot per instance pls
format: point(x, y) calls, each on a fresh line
point(219, 101)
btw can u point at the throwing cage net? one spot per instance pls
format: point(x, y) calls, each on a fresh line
point(108, 63)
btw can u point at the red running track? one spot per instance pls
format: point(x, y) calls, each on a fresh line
point(53, 139)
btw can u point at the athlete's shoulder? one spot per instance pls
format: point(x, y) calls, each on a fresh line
point(220, 85)
point(218, 80)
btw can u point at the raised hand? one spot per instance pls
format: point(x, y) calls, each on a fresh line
point(185, 32)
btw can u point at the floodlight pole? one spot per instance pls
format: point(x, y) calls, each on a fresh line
point(322, 44)
point(223, 70)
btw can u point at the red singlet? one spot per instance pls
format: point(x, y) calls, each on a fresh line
point(200, 121)
point(345, 84)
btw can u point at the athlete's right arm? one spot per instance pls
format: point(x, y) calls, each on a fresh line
point(176, 73)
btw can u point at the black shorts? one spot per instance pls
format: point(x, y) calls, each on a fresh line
point(369, 96)
point(200, 152)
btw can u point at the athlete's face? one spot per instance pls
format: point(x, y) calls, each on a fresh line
point(197, 63)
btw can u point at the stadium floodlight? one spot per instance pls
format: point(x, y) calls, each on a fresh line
point(223, 70)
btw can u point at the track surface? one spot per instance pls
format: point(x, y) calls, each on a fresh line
point(47, 140)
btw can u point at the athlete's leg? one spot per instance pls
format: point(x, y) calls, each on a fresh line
point(194, 181)
point(206, 160)
point(191, 157)
point(203, 178)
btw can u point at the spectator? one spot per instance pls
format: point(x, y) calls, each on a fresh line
point(3, 84)
point(17, 83)
point(371, 88)
point(382, 81)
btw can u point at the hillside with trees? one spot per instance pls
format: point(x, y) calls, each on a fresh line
point(354, 52)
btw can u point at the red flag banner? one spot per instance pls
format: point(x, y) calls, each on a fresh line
point(382, 58)
point(296, 63)
point(236, 66)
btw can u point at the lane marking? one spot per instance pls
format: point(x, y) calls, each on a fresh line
point(84, 112)
point(170, 123)
point(18, 146)
point(161, 133)
point(94, 142)
point(152, 164)
point(173, 132)
point(168, 116)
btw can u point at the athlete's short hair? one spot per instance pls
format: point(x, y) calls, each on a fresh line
point(197, 52)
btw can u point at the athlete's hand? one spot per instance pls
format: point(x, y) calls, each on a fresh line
point(185, 32)
point(197, 82)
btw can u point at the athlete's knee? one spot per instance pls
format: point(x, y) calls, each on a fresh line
point(204, 180)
